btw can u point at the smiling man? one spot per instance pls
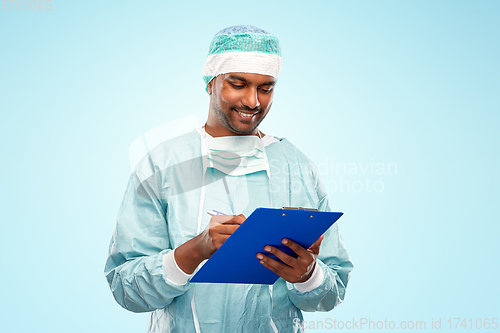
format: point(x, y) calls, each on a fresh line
point(162, 235)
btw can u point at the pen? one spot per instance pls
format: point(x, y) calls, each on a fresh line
point(214, 212)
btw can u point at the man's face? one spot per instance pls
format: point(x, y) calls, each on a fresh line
point(240, 101)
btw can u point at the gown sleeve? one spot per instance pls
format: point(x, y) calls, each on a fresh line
point(134, 267)
point(333, 259)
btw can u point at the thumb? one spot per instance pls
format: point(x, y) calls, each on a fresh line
point(315, 247)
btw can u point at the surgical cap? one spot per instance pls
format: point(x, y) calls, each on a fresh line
point(243, 49)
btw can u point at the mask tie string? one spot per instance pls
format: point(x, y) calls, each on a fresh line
point(273, 325)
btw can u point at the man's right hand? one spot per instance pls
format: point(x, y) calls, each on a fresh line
point(218, 230)
point(190, 254)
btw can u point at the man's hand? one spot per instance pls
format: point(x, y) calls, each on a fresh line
point(190, 254)
point(218, 230)
point(292, 269)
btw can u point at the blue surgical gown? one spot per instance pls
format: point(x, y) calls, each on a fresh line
point(159, 212)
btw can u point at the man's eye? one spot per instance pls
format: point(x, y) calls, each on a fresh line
point(237, 85)
point(266, 91)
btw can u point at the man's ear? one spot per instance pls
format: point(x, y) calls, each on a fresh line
point(209, 87)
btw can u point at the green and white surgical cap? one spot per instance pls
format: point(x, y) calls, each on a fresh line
point(243, 49)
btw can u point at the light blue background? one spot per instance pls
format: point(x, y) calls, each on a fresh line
point(415, 83)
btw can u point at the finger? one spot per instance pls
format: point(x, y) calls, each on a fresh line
point(218, 240)
point(318, 241)
point(290, 261)
point(219, 219)
point(223, 229)
point(265, 264)
point(299, 250)
point(236, 219)
point(315, 246)
point(274, 265)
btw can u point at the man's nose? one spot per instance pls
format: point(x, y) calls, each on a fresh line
point(251, 99)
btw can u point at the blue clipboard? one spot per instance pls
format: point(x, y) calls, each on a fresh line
point(236, 262)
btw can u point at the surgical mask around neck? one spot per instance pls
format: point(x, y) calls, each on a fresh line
point(235, 155)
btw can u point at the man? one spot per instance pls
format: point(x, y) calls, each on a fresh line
point(162, 233)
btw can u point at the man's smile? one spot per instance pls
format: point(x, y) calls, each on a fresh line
point(246, 114)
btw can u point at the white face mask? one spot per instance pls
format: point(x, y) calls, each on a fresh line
point(232, 155)
point(235, 155)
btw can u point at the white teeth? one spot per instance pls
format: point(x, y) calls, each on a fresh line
point(246, 115)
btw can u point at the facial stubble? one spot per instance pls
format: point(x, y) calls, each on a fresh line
point(224, 119)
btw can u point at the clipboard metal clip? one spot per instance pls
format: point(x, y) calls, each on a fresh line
point(300, 208)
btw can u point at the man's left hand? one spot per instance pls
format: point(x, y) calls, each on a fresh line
point(292, 269)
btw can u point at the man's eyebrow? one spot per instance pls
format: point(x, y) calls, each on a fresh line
point(241, 78)
point(237, 77)
point(270, 83)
